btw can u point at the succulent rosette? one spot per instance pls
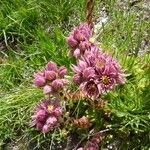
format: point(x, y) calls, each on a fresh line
point(51, 79)
point(46, 115)
point(97, 73)
point(78, 40)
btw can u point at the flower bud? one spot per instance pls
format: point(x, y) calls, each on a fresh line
point(45, 129)
point(57, 84)
point(50, 75)
point(39, 81)
point(40, 115)
point(76, 53)
point(57, 111)
point(72, 42)
point(79, 36)
point(51, 121)
point(81, 148)
point(47, 89)
point(82, 64)
point(88, 73)
point(51, 66)
point(84, 45)
point(77, 79)
point(62, 71)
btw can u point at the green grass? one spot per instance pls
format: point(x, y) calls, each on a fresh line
point(33, 32)
point(14, 120)
point(126, 29)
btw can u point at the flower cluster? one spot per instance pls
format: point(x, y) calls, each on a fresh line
point(79, 40)
point(46, 115)
point(97, 73)
point(51, 79)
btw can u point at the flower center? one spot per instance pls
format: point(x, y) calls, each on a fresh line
point(105, 80)
point(92, 40)
point(50, 107)
point(100, 64)
point(92, 88)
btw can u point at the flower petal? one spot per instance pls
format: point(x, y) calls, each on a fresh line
point(47, 89)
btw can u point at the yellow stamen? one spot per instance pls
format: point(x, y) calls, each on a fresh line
point(100, 64)
point(105, 80)
point(50, 107)
point(92, 40)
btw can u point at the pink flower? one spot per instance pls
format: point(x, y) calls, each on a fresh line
point(77, 53)
point(85, 29)
point(51, 121)
point(82, 64)
point(79, 36)
point(57, 111)
point(97, 73)
point(81, 148)
point(46, 115)
point(88, 73)
point(40, 115)
point(39, 80)
point(77, 78)
point(79, 40)
point(121, 78)
point(84, 45)
point(57, 84)
point(45, 128)
point(51, 66)
point(50, 75)
point(51, 79)
point(90, 88)
point(62, 71)
point(47, 89)
point(72, 42)
point(111, 75)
